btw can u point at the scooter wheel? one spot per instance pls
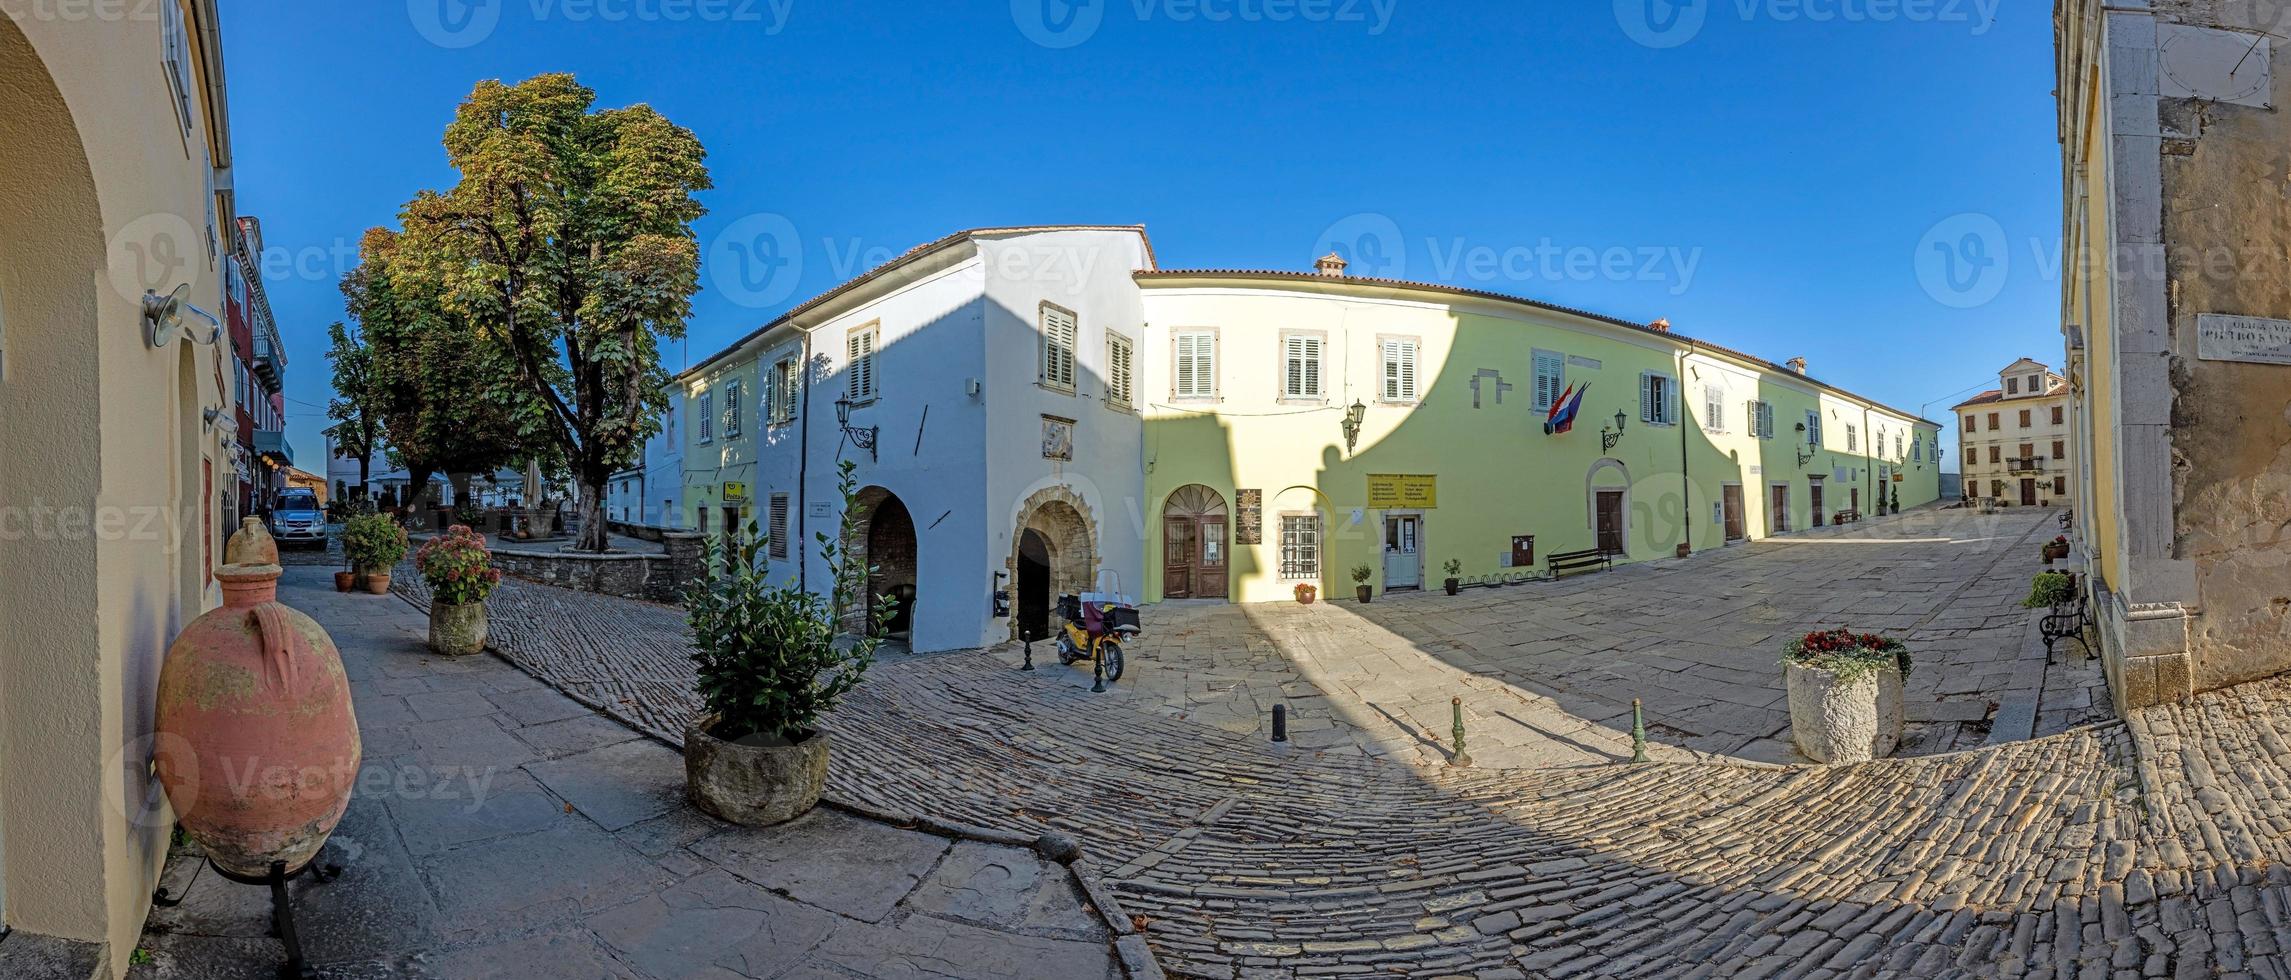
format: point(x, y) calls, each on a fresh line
point(1111, 653)
point(1067, 655)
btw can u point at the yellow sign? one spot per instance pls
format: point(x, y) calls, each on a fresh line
point(735, 491)
point(1387, 491)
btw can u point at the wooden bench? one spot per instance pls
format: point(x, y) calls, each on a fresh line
point(1569, 561)
point(1847, 517)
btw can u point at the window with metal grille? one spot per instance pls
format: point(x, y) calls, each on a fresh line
point(778, 526)
point(1300, 546)
point(859, 367)
point(1300, 366)
point(1121, 377)
point(1196, 370)
point(1550, 379)
point(1059, 330)
point(1399, 370)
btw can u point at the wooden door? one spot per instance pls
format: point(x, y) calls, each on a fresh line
point(1778, 511)
point(1180, 539)
point(2028, 492)
point(1819, 518)
point(1732, 497)
point(1193, 540)
point(1611, 521)
point(1209, 567)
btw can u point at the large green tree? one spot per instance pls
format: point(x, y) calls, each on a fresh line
point(357, 419)
point(448, 398)
point(568, 239)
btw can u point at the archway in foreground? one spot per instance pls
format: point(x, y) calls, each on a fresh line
point(885, 540)
point(1056, 532)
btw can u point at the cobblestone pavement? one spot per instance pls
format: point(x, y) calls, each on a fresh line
point(2149, 847)
point(502, 830)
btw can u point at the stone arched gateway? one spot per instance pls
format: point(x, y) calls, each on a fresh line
point(1053, 552)
point(884, 538)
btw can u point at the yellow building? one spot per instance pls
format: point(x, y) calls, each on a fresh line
point(114, 179)
point(2176, 305)
point(1301, 425)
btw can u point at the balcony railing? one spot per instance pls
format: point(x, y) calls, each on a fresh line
point(2025, 464)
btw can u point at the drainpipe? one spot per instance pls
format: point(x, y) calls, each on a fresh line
point(1868, 457)
point(1685, 476)
point(803, 471)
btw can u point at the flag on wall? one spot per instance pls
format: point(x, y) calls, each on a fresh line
point(1563, 410)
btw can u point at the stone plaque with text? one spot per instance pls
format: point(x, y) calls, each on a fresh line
point(2250, 339)
point(1249, 517)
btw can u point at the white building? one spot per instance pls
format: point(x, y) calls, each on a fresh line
point(2013, 440)
point(1018, 340)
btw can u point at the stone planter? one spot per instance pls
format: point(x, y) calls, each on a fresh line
point(1833, 721)
point(753, 785)
point(377, 580)
point(1453, 586)
point(1365, 592)
point(458, 629)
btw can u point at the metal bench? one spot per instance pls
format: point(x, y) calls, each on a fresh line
point(2069, 621)
point(1569, 561)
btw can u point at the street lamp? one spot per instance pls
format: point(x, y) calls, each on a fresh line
point(1805, 454)
point(1609, 437)
point(1352, 420)
point(864, 438)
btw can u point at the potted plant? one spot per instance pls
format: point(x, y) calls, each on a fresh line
point(2050, 589)
point(2056, 549)
point(460, 572)
point(373, 543)
point(1455, 582)
point(1845, 694)
point(770, 661)
point(346, 577)
point(1307, 592)
point(1361, 588)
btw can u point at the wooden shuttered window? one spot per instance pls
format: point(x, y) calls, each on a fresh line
point(1399, 370)
point(1121, 370)
point(859, 364)
point(778, 526)
point(1195, 374)
point(1301, 366)
point(1059, 333)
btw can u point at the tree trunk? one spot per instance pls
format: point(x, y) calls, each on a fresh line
point(533, 497)
point(417, 491)
point(461, 501)
point(595, 536)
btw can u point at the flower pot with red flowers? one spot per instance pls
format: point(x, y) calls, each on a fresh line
point(460, 572)
point(1307, 592)
point(1845, 694)
point(2056, 549)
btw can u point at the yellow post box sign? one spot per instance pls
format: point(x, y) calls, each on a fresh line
point(735, 491)
point(1390, 491)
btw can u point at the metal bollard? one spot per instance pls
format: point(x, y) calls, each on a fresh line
point(1097, 672)
point(1280, 723)
point(1029, 664)
point(1461, 759)
point(1638, 733)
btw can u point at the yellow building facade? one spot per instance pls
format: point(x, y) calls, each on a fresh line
point(1301, 426)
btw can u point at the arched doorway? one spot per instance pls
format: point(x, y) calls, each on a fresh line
point(1034, 599)
point(1193, 544)
point(1607, 501)
point(886, 541)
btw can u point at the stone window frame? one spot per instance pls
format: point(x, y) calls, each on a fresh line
point(1412, 370)
point(1319, 531)
point(1216, 343)
point(1281, 368)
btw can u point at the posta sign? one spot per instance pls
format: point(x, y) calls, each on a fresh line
point(1390, 491)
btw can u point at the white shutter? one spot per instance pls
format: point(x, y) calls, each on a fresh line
point(768, 406)
point(1550, 379)
point(1059, 332)
point(1118, 377)
point(1196, 365)
point(1400, 370)
point(1646, 396)
point(860, 353)
point(1714, 407)
point(1301, 367)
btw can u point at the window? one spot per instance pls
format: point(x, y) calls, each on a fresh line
point(1301, 366)
point(1196, 374)
point(2012, 386)
point(178, 61)
point(1121, 377)
point(1059, 331)
point(1972, 423)
point(1972, 488)
point(2036, 384)
point(1917, 450)
point(1897, 445)
point(1399, 370)
point(1300, 546)
point(778, 528)
point(1996, 488)
point(1814, 429)
point(732, 409)
point(2028, 450)
point(707, 417)
point(1994, 425)
point(860, 376)
point(780, 391)
point(2059, 449)
point(1996, 454)
point(2056, 415)
point(1853, 440)
point(1762, 418)
point(1655, 391)
point(2024, 418)
point(1550, 379)
point(1714, 408)
point(2060, 486)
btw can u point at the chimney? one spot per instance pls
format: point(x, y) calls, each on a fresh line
point(1331, 264)
point(1661, 326)
point(1797, 364)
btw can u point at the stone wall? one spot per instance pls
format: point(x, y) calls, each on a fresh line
point(629, 575)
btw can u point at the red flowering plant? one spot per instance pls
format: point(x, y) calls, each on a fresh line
point(1847, 654)
point(458, 566)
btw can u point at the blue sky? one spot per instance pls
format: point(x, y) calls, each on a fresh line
point(1873, 188)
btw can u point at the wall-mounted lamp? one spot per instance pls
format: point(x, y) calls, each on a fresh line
point(1352, 419)
point(211, 415)
point(1805, 455)
point(1609, 437)
point(163, 319)
point(863, 438)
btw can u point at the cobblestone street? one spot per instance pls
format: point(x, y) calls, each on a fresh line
point(2121, 848)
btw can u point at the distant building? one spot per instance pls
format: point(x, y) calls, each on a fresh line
point(2013, 441)
point(258, 366)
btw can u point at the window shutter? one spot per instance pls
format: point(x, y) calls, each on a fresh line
point(1059, 334)
point(1399, 370)
point(1646, 397)
point(1118, 377)
point(861, 356)
point(1196, 365)
point(1714, 406)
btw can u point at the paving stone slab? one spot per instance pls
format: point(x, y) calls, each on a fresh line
point(618, 785)
point(832, 860)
